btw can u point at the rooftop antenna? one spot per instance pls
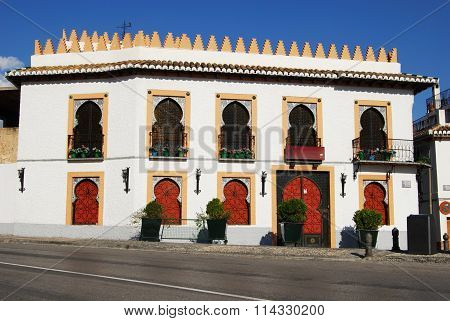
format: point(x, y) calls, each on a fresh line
point(124, 27)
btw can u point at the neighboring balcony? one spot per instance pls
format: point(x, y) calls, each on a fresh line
point(382, 151)
point(85, 147)
point(439, 101)
point(314, 152)
point(168, 146)
point(236, 147)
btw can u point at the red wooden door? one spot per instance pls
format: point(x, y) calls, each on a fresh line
point(375, 194)
point(235, 193)
point(306, 189)
point(166, 194)
point(85, 207)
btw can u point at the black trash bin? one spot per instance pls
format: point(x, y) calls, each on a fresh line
point(421, 236)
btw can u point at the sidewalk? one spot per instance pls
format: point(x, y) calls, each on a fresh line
point(353, 254)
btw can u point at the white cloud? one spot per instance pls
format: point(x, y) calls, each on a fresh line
point(6, 64)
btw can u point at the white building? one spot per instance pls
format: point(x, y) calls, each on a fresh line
point(305, 117)
point(432, 145)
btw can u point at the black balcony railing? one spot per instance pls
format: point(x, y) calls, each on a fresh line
point(168, 144)
point(389, 150)
point(439, 101)
point(425, 122)
point(236, 146)
point(82, 146)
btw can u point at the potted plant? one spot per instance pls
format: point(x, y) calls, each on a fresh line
point(165, 152)
point(153, 151)
point(361, 155)
point(182, 151)
point(73, 153)
point(151, 217)
point(97, 153)
point(292, 215)
point(247, 153)
point(83, 151)
point(223, 153)
point(367, 222)
point(216, 219)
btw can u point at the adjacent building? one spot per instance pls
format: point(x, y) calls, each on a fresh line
point(432, 143)
point(108, 124)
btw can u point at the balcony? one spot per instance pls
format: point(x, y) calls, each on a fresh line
point(439, 101)
point(383, 151)
point(168, 146)
point(85, 147)
point(426, 122)
point(236, 148)
point(304, 154)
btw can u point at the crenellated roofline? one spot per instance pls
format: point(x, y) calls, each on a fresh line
point(103, 42)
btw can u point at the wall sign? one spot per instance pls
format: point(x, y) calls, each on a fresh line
point(406, 184)
point(444, 208)
point(446, 187)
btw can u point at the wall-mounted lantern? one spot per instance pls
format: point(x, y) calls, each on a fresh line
point(21, 179)
point(198, 173)
point(343, 181)
point(263, 182)
point(126, 179)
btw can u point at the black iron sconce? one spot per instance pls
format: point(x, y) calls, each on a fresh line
point(263, 182)
point(343, 181)
point(21, 179)
point(126, 179)
point(198, 173)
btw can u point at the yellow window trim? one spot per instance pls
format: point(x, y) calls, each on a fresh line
point(375, 103)
point(300, 100)
point(150, 108)
point(72, 99)
point(225, 96)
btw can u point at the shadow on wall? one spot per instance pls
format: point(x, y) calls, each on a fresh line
point(267, 239)
point(349, 238)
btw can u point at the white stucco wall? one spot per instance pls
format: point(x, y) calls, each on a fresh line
point(145, 53)
point(9, 186)
point(41, 210)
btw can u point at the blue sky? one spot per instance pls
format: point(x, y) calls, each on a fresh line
point(421, 36)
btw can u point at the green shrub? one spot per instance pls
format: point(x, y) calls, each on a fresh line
point(367, 220)
point(153, 210)
point(292, 211)
point(215, 210)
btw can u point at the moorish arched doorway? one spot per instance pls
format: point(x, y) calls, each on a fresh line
point(168, 128)
point(88, 131)
point(301, 127)
point(235, 133)
point(372, 134)
point(375, 199)
point(167, 193)
point(85, 206)
point(236, 202)
point(306, 189)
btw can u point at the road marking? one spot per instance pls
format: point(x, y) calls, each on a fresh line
point(162, 285)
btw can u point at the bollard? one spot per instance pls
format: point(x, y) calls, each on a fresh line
point(445, 243)
point(368, 245)
point(395, 242)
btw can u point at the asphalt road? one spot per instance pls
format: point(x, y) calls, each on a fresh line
point(120, 274)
